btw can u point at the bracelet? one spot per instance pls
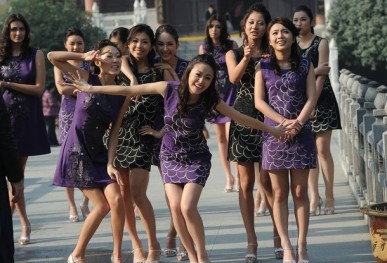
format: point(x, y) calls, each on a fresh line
point(299, 122)
point(282, 122)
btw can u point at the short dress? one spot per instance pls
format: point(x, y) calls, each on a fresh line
point(135, 150)
point(286, 94)
point(181, 65)
point(25, 111)
point(66, 111)
point(184, 156)
point(327, 115)
point(227, 91)
point(245, 143)
point(83, 157)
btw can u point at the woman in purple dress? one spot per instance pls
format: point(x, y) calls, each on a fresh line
point(285, 92)
point(22, 82)
point(326, 114)
point(185, 158)
point(217, 43)
point(83, 157)
point(74, 42)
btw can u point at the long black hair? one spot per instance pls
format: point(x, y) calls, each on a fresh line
point(308, 12)
point(224, 38)
point(210, 96)
point(5, 42)
point(295, 57)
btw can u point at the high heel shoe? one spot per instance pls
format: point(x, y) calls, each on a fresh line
point(329, 210)
point(25, 240)
point(301, 259)
point(289, 260)
point(315, 208)
point(278, 251)
point(136, 260)
point(168, 251)
point(182, 256)
point(84, 210)
point(72, 260)
point(113, 259)
point(251, 257)
point(153, 251)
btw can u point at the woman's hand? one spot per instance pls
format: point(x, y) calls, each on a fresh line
point(76, 82)
point(114, 174)
point(147, 130)
point(92, 55)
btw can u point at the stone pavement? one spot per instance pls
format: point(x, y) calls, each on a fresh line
point(342, 237)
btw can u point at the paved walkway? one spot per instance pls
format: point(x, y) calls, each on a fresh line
point(342, 237)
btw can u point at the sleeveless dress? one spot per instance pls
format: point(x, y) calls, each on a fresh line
point(245, 144)
point(184, 156)
point(25, 111)
point(66, 111)
point(83, 157)
point(286, 94)
point(135, 150)
point(181, 65)
point(327, 115)
point(227, 91)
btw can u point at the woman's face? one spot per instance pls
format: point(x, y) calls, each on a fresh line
point(75, 43)
point(302, 22)
point(17, 32)
point(140, 46)
point(123, 47)
point(200, 78)
point(214, 29)
point(109, 60)
point(166, 47)
point(280, 38)
point(255, 26)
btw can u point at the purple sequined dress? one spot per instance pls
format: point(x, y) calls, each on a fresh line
point(184, 157)
point(66, 111)
point(286, 94)
point(83, 157)
point(227, 91)
point(25, 111)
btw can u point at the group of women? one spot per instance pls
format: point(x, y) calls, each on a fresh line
point(124, 110)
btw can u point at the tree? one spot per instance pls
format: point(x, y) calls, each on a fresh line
point(48, 21)
point(359, 28)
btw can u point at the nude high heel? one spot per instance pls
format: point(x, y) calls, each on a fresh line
point(25, 240)
point(329, 210)
point(315, 208)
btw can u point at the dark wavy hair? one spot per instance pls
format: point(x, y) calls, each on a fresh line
point(122, 33)
point(295, 57)
point(308, 12)
point(210, 96)
point(5, 42)
point(73, 31)
point(224, 38)
point(259, 8)
point(167, 29)
point(142, 28)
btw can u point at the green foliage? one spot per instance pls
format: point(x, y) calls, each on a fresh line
point(360, 30)
point(48, 21)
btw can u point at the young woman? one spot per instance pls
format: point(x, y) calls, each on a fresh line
point(167, 43)
point(74, 42)
point(285, 92)
point(241, 65)
point(22, 81)
point(185, 157)
point(119, 36)
point(217, 43)
point(130, 152)
point(83, 158)
point(326, 114)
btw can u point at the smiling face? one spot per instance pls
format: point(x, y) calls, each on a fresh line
point(255, 26)
point(110, 60)
point(75, 43)
point(199, 79)
point(280, 37)
point(140, 46)
point(302, 22)
point(166, 47)
point(17, 32)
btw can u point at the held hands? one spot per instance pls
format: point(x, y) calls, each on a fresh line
point(293, 127)
point(164, 66)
